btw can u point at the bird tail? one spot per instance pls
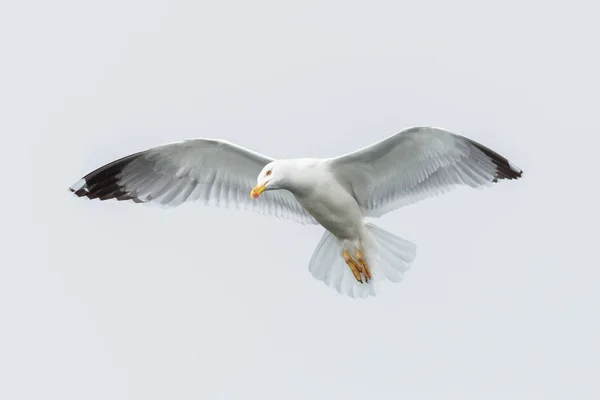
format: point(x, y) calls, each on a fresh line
point(388, 256)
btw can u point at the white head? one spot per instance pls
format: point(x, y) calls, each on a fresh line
point(271, 177)
point(283, 174)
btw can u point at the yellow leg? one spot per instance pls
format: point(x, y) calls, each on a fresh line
point(364, 266)
point(353, 266)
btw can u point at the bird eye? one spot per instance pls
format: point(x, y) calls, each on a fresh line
point(268, 172)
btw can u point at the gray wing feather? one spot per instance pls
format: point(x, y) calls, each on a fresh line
point(207, 171)
point(418, 163)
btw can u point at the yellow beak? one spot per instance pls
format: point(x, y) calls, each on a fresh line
point(258, 189)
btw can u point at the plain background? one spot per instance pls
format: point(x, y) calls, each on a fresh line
point(106, 300)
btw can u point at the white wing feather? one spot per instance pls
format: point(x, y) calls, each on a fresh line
point(208, 171)
point(417, 163)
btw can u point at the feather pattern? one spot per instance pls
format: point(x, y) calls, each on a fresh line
point(415, 164)
point(209, 171)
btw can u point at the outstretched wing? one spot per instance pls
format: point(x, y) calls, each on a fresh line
point(209, 171)
point(417, 163)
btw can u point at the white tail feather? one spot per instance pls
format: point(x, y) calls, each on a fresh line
point(388, 256)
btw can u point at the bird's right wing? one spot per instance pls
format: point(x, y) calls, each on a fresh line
point(417, 163)
point(209, 171)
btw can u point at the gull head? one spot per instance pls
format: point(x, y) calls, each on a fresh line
point(269, 178)
point(295, 175)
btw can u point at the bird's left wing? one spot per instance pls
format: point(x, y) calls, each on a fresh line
point(209, 171)
point(417, 163)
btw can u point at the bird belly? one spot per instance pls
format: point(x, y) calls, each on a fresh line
point(336, 210)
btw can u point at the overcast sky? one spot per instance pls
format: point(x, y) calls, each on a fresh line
point(106, 300)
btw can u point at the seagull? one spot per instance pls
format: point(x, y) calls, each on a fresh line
point(353, 255)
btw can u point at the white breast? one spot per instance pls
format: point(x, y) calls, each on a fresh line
point(332, 205)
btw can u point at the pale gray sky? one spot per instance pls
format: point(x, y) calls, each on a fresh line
point(105, 300)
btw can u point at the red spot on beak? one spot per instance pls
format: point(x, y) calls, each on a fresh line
point(258, 190)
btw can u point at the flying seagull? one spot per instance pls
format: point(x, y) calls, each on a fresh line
point(338, 193)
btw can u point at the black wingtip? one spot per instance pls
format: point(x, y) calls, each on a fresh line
point(103, 183)
point(504, 168)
